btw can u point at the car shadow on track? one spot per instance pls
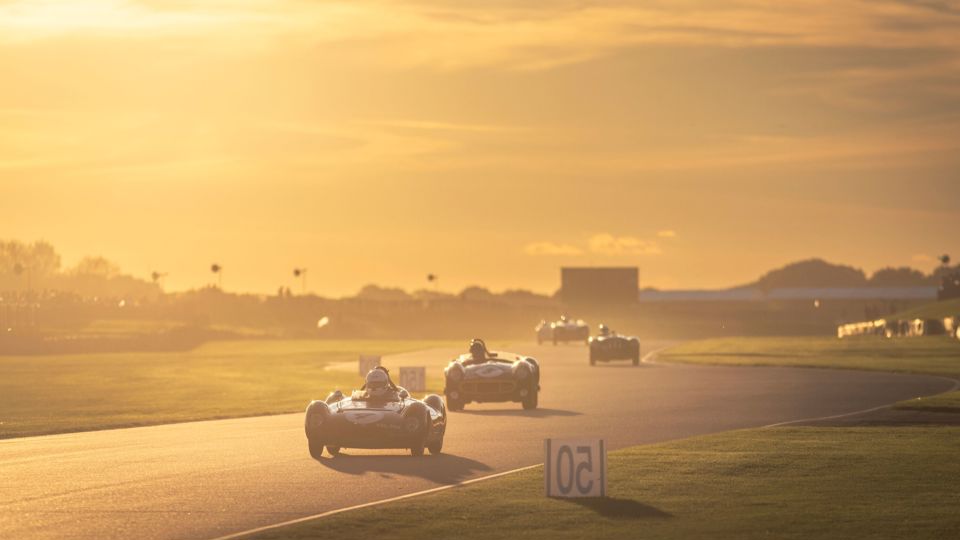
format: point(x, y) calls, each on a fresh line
point(616, 508)
point(535, 413)
point(626, 364)
point(442, 469)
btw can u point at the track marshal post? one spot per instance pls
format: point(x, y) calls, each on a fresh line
point(413, 379)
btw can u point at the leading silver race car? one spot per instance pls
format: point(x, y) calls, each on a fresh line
point(379, 415)
point(609, 345)
point(485, 376)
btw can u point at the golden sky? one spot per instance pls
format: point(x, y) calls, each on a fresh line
point(487, 142)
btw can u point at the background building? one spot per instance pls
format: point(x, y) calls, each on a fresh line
point(600, 286)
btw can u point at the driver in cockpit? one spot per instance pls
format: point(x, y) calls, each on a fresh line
point(378, 386)
point(478, 352)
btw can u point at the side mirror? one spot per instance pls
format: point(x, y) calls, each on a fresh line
point(403, 393)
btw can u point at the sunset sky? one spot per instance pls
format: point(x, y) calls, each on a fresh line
point(486, 142)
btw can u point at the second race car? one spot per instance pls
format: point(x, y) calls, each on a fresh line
point(485, 376)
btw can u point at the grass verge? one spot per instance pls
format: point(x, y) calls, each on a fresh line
point(760, 483)
point(936, 355)
point(61, 393)
point(934, 310)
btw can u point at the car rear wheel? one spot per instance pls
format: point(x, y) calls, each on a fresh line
point(316, 448)
point(333, 450)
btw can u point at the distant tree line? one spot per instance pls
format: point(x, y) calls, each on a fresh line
point(820, 273)
point(34, 270)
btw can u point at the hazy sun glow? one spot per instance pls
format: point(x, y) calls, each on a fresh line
point(382, 140)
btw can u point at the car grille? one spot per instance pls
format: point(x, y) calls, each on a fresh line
point(488, 387)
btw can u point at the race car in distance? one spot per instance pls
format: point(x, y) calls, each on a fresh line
point(568, 330)
point(544, 332)
point(608, 345)
point(379, 415)
point(485, 376)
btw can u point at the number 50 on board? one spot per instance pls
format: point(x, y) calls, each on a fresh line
point(575, 468)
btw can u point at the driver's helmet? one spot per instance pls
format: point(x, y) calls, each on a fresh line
point(604, 330)
point(377, 383)
point(478, 349)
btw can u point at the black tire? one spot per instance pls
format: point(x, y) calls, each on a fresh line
point(333, 450)
point(454, 404)
point(316, 448)
point(419, 412)
point(531, 401)
point(435, 447)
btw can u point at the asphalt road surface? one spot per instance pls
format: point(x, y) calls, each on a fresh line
point(205, 479)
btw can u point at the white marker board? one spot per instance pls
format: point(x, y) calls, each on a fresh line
point(575, 468)
point(368, 362)
point(413, 379)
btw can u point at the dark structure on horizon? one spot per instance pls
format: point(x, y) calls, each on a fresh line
point(949, 286)
point(603, 286)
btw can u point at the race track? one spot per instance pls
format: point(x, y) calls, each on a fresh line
point(205, 479)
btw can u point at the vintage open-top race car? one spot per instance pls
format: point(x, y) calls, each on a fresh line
point(567, 330)
point(609, 345)
point(485, 376)
point(379, 415)
point(544, 332)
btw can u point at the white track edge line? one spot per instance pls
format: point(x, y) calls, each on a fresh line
point(956, 384)
point(373, 503)
point(647, 359)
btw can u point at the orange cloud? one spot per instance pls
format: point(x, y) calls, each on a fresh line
point(607, 244)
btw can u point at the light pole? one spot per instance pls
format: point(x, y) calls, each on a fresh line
point(157, 277)
point(218, 270)
point(302, 274)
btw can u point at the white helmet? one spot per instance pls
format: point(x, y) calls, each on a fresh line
point(377, 383)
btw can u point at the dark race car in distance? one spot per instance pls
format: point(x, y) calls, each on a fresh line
point(611, 346)
point(385, 417)
point(483, 376)
point(566, 330)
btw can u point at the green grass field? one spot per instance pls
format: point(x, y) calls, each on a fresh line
point(61, 393)
point(937, 355)
point(761, 483)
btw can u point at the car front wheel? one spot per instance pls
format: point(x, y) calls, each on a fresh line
point(530, 402)
point(316, 447)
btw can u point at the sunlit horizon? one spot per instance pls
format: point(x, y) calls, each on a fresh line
point(377, 142)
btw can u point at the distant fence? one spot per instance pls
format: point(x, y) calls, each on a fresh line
point(902, 328)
